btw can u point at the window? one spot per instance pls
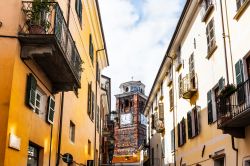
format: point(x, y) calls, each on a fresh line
point(212, 97)
point(172, 141)
point(211, 43)
point(91, 48)
point(33, 155)
point(72, 132)
point(239, 80)
point(78, 8)
point(153, 156)
point(89, 147)
point(35, 99)
point(97, 119)
point(180, 86)
point(219, 161)
point(90, 102)
point(178, 61)
point(191, 66)
point(239, 3)
point(171, 98)
point(193, 123)
point(247, 162)
point(181, 132)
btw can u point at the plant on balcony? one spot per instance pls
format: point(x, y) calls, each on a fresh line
point(227, 90)
point(37, 17)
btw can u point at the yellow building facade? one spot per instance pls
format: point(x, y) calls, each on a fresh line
point(198, 107)
point(52, 54)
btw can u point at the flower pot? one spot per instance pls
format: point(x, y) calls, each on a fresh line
point(36, 29)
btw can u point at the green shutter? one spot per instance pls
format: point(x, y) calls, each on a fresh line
point(31, 91)
point(93, 105)
point(196, 121)
point(239, 72)
point(183, 124)
point(89, 99)
point(221, 83)
point(189, 122)
point(209, 107)
point(51, 110)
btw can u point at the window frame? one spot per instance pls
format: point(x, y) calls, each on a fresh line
point(38, 149)
point(78, 9)
point(72, 132)
point(211, 38)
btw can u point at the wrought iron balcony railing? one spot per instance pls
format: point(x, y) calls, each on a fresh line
point(233, 110)
point(43, 27)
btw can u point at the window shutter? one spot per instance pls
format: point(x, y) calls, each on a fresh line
point(80, 11)
point(89, 99)
point(153, 121)
point(238, 4)
point(196, 121)
point(179, 134)
point(239, 72)
point(209, 107)
point(172, 140)
point(90, 47)
point(183, 124)
point(221, 83)
point(189, 120)
point(31, 91)
point(161, 111)
point(51, 110)
point(93, 105)
point(180, 86)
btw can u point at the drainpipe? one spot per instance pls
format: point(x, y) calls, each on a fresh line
point(172, 71)
point(96, 66)
point(60, 131)
point(235, 149)
point(224, 40)
point(62, 98)
point(229, 41)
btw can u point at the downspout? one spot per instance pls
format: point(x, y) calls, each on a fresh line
point(224, 41)
point(96, 105)
point(236, 150)
point(62, 99)
point(229, 41)
point(172, 71)
point(50, 142)
point(60, 131)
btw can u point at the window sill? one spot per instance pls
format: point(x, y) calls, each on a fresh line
point(241, 10)
point(210, 53)
point(207, 13)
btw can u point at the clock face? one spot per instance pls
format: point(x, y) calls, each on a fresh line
point(126, 119)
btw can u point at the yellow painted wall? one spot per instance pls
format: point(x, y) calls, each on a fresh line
point(17, 118)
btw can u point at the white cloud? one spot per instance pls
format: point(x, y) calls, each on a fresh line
point(137, 34)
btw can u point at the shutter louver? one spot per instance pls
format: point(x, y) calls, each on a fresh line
point(239, 81)
point(189, 120)
point(184, 131)
point(239, 72)
point(89, 99)
point(93, 105)
point(31, 91)
point(179, 134)
point(196, 121)
point(221, 83)
point(51, 110)
point(161, 111)
point(209, 107)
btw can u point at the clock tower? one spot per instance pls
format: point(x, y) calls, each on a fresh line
point(130, 125)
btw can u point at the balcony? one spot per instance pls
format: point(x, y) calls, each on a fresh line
point(189, 86)
point(47, 42)
point(233, 111)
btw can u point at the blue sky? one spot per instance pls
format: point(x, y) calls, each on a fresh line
point(137, 34)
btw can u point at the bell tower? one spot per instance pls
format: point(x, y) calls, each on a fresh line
point(130, 125)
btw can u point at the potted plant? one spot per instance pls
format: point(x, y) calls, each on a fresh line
point(37, 17)
point(227, 90)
